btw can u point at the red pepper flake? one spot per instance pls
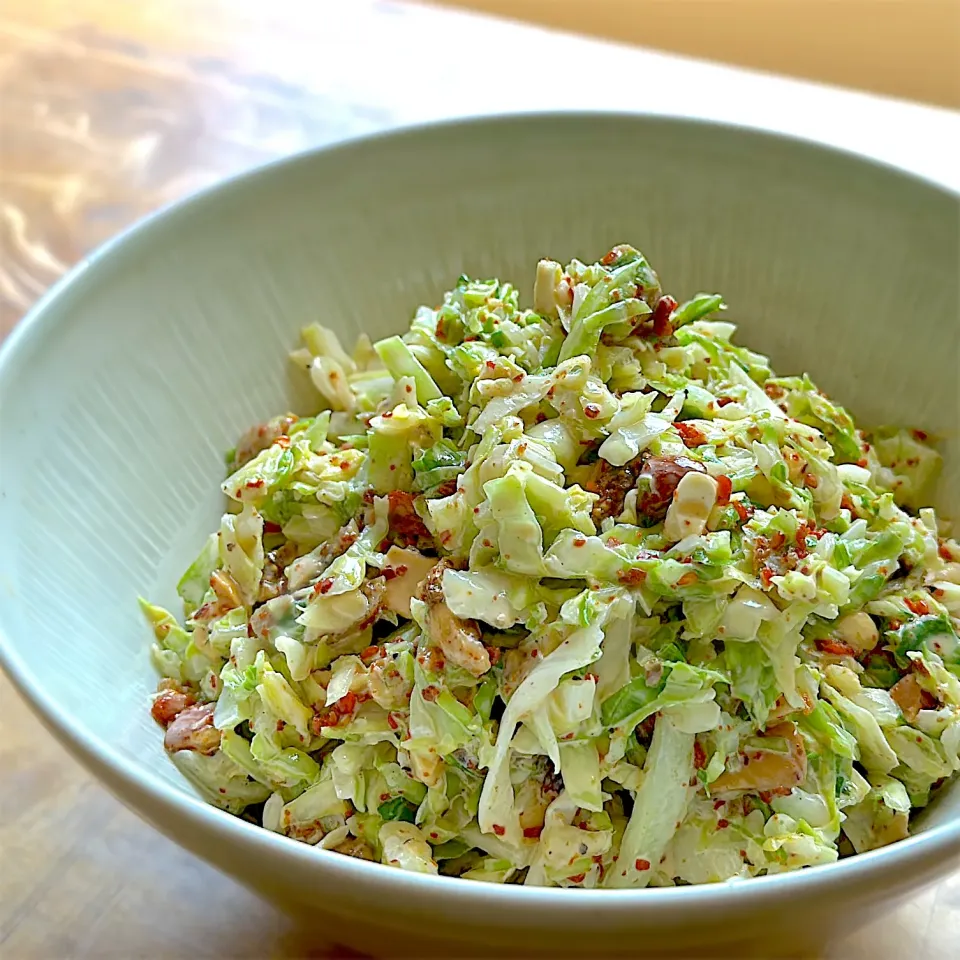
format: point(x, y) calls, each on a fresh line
point(811, 481)
point(766, 576)
point(577, 878)
point(699, 755)
point(717, 804)
point(370, 653)
point(920, 435)
point(494, 654)
point(540, 417)
point(687, 579)
point(642, 864)
point(777, 540)
point(944, 552)
point(491, 365)
point(862, 462)
point(592, 411)
point(846, 501)
point(579, 542)
point(916, 606)
point(255, 484)
point(392, 722)
point(532, 833)
point(743, 511)
point(323, 586)
point(388, 415)
point(724, 489)
point(347, 703)
point(280, 725)
point(723, 401)
point(610, 258)
point(498, 830)
point(690, 435)
point(722, 824)
point(389, 573)
point(430, 694)
point(346, 466)
point(270, 527)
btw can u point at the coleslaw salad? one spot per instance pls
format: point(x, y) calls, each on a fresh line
point(577, 595)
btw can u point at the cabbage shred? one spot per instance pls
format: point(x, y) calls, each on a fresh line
point(578, 595)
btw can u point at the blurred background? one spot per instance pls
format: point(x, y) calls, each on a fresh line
point(112, 108)
point(902, 48)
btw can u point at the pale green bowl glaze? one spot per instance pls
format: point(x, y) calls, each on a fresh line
point(121, 390)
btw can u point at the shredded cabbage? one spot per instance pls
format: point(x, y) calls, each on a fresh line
point(577, 595)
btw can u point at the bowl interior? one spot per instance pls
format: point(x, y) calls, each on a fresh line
point(119, 398)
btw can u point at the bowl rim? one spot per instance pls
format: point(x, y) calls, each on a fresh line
point(932, 845)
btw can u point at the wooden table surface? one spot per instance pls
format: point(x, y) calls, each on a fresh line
point(110, 108)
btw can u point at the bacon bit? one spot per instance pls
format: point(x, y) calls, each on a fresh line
point(168, 704)
point(661, 316)
point(577, 878)
point(699, 756)
point(193, 729)
point(388, 415)
point(430, 694)
point(722, 824)
point(447, 488)
point(944, 552)
point(862, 462)
point(579, 542)
point(392, 722)
point(498, 830)
point(532, 833)
point(494, 654)
point(283, 442)
point(846, 501)
point(743, 511)
point(347, 703)
point(690, 435)
point(270, 527)
point(916, 606)
point(920, 435)
point(642, 864)
point(631, 578)
point(346, 466)
point(611, 257)
point(255, 484)
point(811, 480)
point(766, 576)
point(491, 365)
point(687, 579)
point(371, 653)
point(777, 540)
point(323, 586)
point(724, 489)
point(280, 725)
point(774, 391)
point(836, 648)
point(767, 796)
point(403, 518)
point(723, 401)
point(592, 411)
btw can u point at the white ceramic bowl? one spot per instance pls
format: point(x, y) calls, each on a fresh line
point(120, 392)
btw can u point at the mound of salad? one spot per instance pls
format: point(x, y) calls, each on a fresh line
point(580, 595)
